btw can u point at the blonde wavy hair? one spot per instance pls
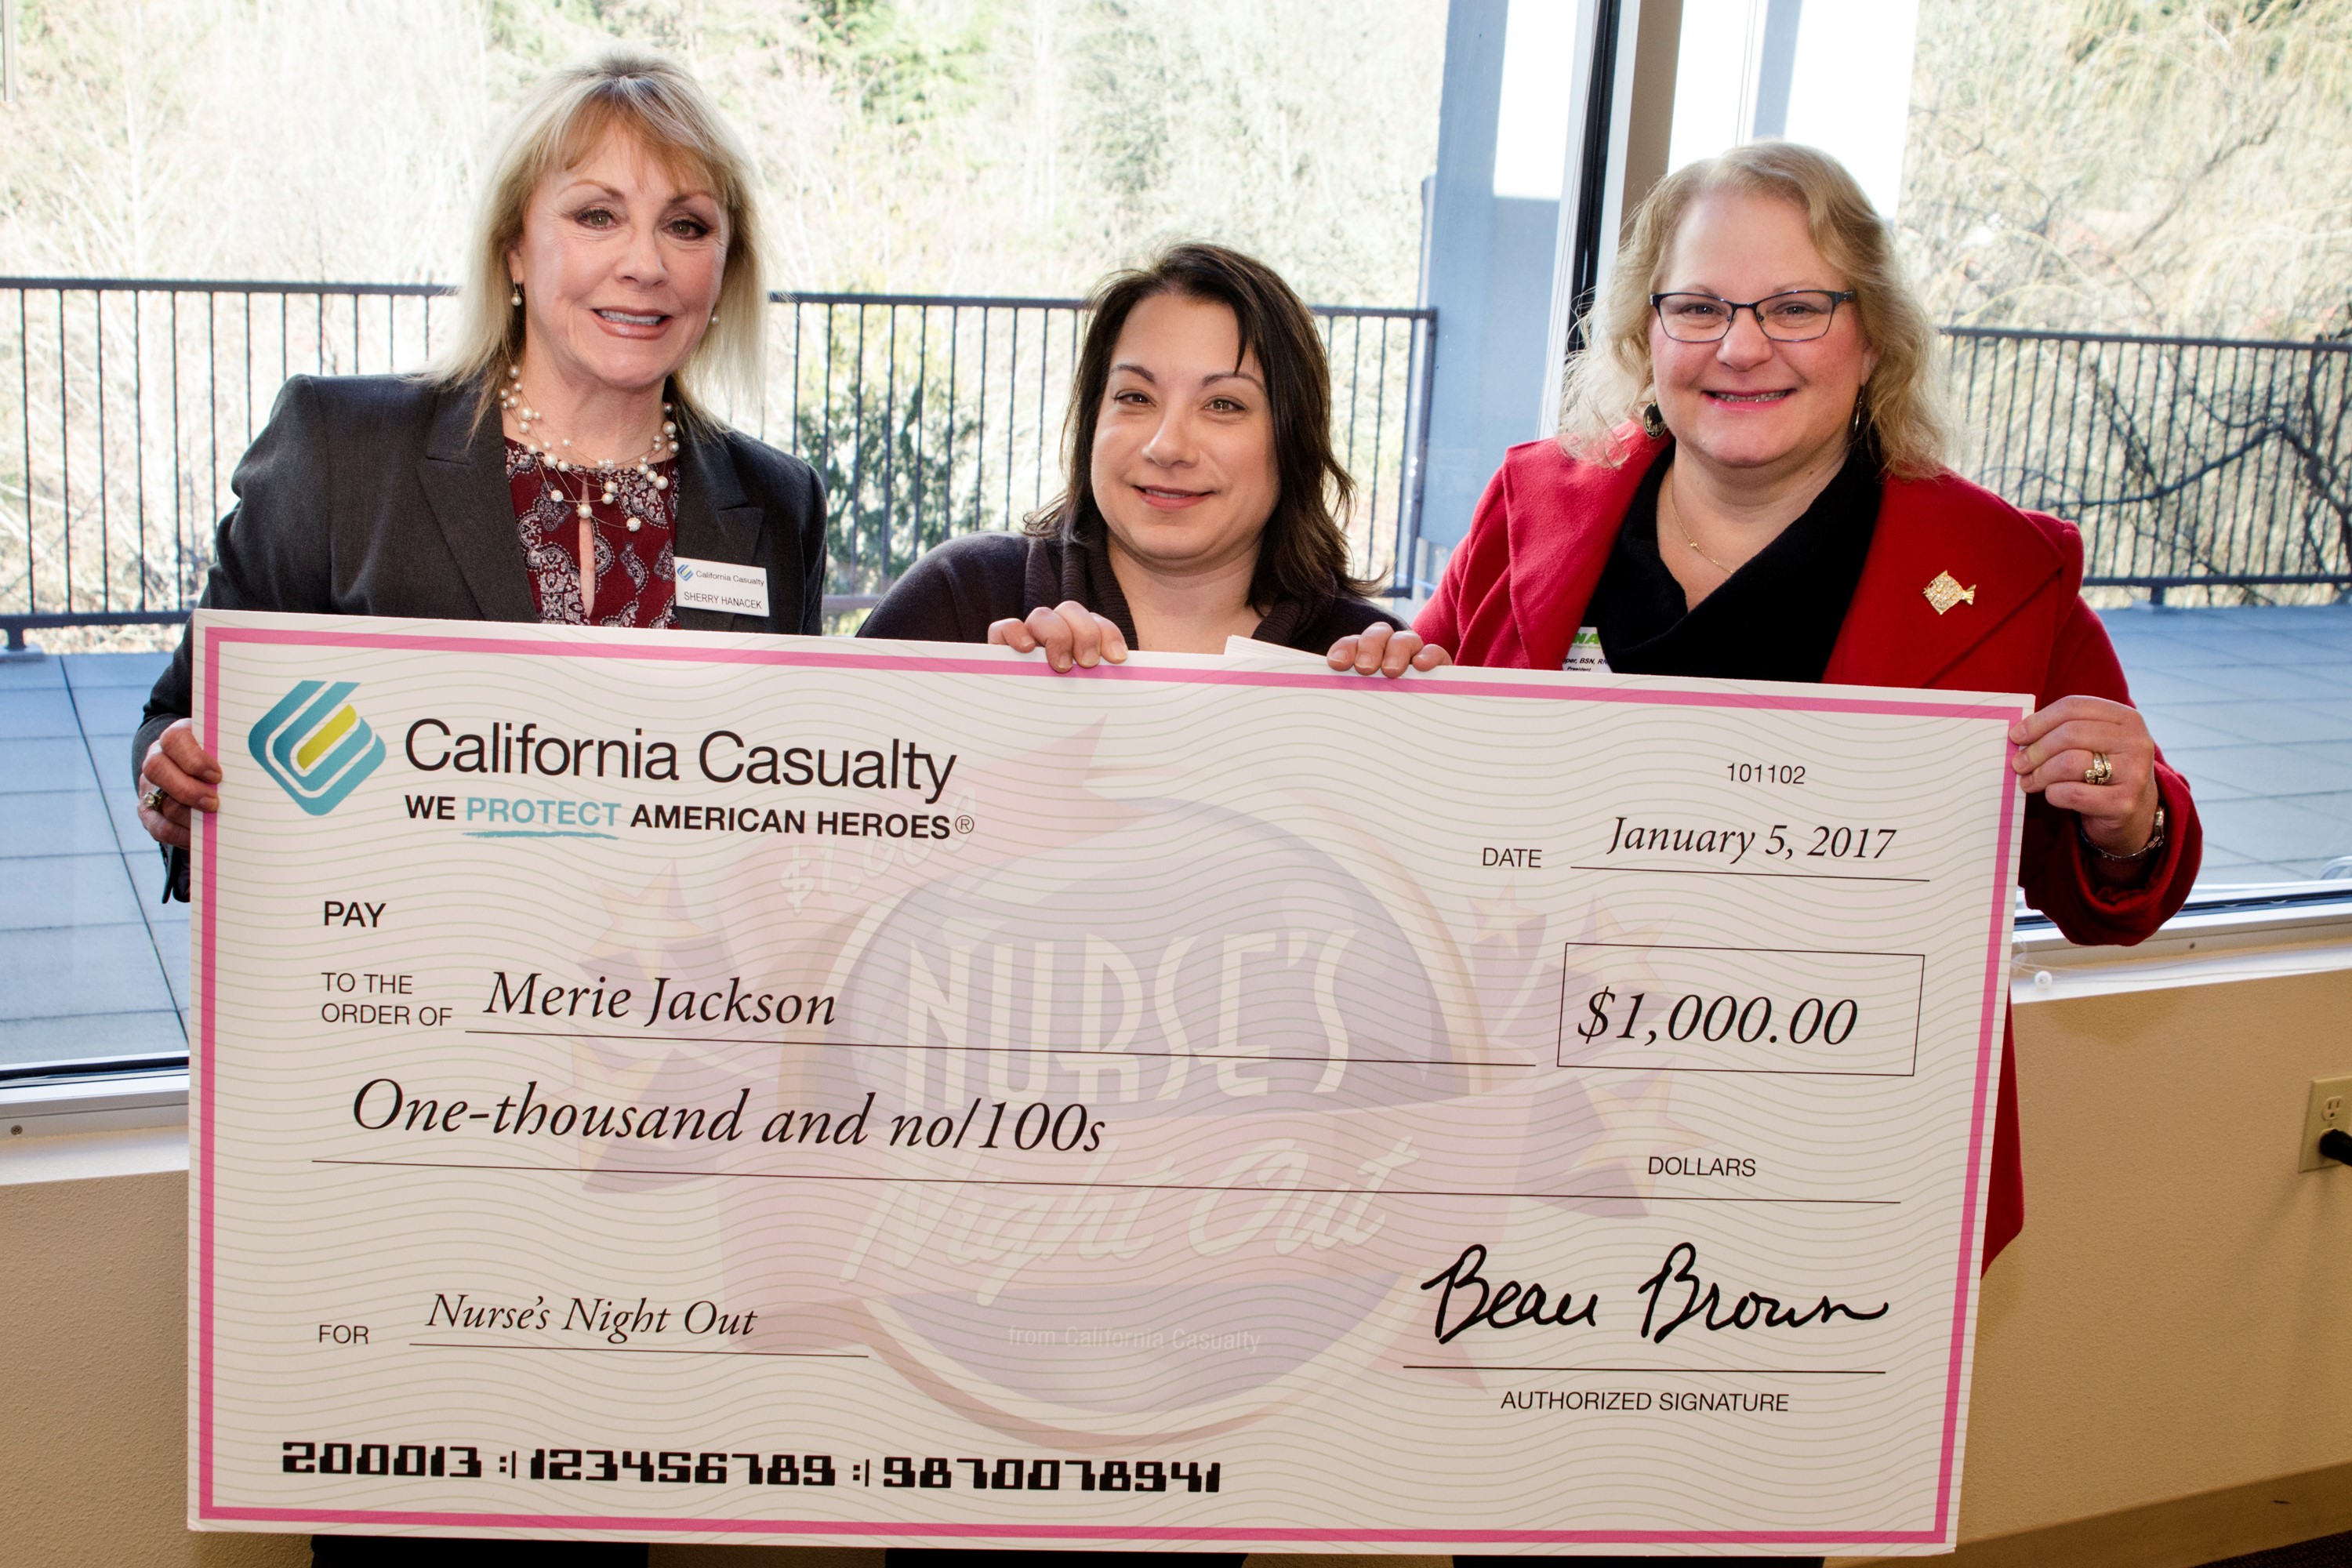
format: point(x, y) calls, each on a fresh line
point(567, 118)
point(1901, 403)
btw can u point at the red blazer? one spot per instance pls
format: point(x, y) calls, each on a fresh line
point(1515, 591)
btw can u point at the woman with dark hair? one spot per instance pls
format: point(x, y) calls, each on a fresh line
point(1202, 497)
point(1201, 501)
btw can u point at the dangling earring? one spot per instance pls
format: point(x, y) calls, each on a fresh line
point(714, 317)
point(515, 298)
point(1861, 419)
point(1653, 424)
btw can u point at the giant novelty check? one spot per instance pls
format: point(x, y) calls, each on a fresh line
point(778, 1089)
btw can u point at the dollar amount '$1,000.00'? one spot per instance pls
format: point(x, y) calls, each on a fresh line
point(1750, 1019)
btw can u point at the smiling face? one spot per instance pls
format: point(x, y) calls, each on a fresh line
point(620, 261)
point(1750, 407)
point(1184, 465)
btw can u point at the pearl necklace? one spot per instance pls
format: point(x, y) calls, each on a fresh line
point(552, 461)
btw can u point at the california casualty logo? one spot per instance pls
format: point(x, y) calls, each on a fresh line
point(316, 745)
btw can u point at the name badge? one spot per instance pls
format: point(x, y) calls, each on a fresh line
point(720, 585)
point(1584, 654)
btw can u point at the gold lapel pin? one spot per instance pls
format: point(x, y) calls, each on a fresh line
point(1946, 591)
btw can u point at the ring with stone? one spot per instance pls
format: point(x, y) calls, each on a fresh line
point(153, 799)
point(2100, 771)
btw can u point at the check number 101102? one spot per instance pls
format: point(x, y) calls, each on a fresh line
point(1739, 1009)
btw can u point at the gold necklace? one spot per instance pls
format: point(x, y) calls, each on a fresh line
point(1666, 497)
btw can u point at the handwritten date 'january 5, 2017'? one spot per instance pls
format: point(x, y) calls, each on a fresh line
point(1732, 844)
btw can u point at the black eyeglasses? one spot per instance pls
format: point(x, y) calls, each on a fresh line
point(1798, 316)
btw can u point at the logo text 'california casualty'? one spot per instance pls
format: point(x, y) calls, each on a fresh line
point(315, 744)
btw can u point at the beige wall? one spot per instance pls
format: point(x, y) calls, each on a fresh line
point(2178, 1316)
point(93, 1379)
point(2176, 1322)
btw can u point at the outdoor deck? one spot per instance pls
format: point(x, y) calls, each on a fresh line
point(2254, 705)
point(90, 964)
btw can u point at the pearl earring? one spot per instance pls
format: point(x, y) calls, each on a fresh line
point(515, 298)
point(714, 317)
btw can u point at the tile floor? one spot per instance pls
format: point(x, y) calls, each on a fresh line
point(90, 964)
point(2254, 705)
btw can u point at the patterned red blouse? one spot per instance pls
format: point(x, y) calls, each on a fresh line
point(635, 585)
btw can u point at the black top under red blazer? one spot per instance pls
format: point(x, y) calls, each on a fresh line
point(1515, 591)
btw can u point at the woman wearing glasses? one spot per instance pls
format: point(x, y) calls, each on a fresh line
point(1750, 482)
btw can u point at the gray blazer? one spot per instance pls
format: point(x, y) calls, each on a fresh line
point(378, 495)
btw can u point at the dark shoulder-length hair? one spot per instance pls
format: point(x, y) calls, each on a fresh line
point(1303, 554)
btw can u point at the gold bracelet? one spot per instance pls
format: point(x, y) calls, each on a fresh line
point(2154, 841)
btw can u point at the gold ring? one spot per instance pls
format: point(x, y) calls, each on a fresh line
point(153, 799)
point(2100, 771)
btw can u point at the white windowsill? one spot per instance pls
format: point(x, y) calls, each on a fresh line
point(137, 1123)
point(128, 1125)
point(2196, 947)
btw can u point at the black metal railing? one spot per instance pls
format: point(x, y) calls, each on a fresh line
point(2190, 463)
point(927, 416)
point(2211, 465)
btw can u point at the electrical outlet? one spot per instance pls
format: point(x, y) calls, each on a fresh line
point(2331, 1106)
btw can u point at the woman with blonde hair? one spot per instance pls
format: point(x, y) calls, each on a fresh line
point(565, 457)
point(1751, 481)
point(560, 464)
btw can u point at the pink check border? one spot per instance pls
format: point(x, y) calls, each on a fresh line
point(804, 657)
